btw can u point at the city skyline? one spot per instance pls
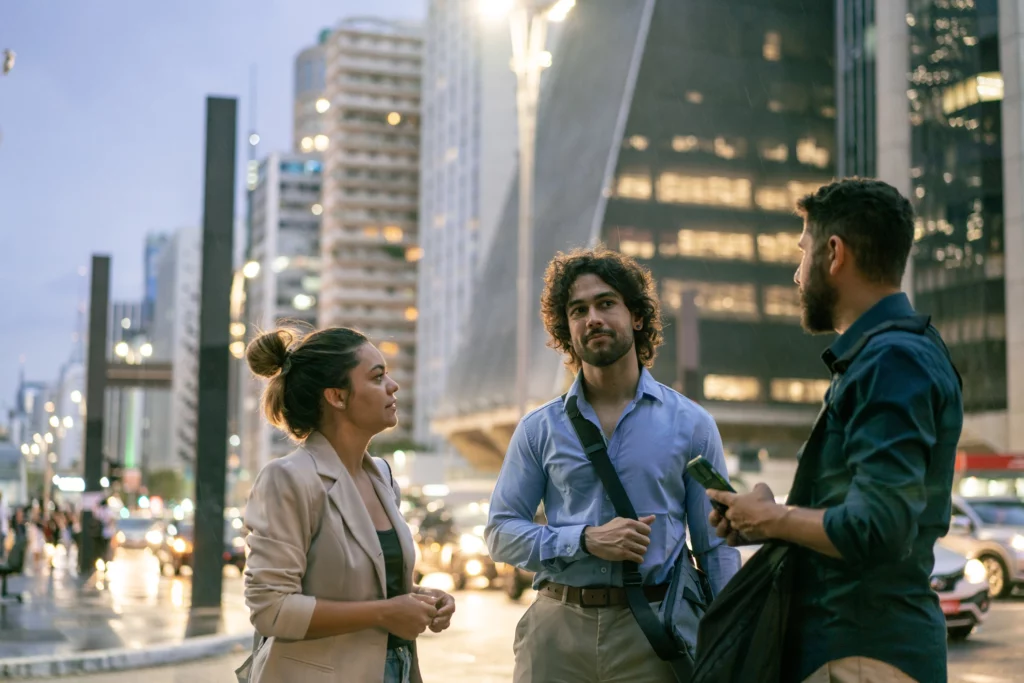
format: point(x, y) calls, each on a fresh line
point(124, 173)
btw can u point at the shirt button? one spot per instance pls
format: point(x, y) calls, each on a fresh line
point(604, 570)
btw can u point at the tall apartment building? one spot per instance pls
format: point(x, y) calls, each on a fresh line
point(370, 192)
point(170, 440)
point(308, 120)
point(282, 278)
point(947, 133)
point(124, 424)
point(681, 134)
point(468, 154)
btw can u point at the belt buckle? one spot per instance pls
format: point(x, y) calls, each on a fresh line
point(595, 597)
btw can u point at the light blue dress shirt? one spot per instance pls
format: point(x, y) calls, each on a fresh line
point(658, 433)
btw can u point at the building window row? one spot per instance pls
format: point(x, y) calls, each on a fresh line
point(749, 389)
point(809, 150)
point(733, 300)
point(736, 192)
point(780, 247)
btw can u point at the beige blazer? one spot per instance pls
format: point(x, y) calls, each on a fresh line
point(311, 537)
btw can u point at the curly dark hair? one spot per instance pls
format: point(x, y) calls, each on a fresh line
point(871, 216)
point(630, 279)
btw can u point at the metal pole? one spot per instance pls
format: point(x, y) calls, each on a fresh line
point(529, 34)
point(214, 339)
point(95, 391)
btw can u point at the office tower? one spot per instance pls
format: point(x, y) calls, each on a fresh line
point(370, 193)
point(308, 122)
point(681, 134)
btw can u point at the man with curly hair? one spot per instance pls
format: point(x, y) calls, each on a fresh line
point(601, 310)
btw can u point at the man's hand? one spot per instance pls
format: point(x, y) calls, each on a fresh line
point(620, 539)
point(749, 516)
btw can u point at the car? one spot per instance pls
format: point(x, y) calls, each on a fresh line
point(176, 552)
point(451, 541)
point(962, 588)
point(138, 533)
point(991, 530)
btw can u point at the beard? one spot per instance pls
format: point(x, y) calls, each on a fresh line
point(818, 300)
point(615, 348)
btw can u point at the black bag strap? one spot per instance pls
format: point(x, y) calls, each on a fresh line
point(593, 446)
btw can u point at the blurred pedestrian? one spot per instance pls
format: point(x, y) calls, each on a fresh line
point(328, 579)
point(5, 526)
point(880, 456)
point(601, 311)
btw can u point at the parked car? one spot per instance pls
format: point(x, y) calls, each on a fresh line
point(138, 533)
point(451, 541)
point(176, 551)
point(962, 587)
point(990, 530)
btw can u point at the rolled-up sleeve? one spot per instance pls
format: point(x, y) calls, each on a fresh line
point(888, 438)
point(278, 517)
point(718, 560)
point(512, 534)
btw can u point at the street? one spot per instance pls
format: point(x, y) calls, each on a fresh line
point(478, 646)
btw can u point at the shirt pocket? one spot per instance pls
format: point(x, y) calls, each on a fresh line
point(833, 475)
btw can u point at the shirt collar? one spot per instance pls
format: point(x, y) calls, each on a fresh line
point(647, 387)
point(892, 307)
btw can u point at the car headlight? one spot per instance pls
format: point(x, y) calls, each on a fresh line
point(471, 544)
point(974, 572)
point(154, 537)
point(120, 537)
point(179, 545)
point(1018, 543)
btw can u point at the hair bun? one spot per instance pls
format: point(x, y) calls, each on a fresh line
point(267, 353)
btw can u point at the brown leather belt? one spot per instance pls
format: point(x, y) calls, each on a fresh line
point(599, 596)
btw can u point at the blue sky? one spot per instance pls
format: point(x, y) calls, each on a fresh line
point(101, 138)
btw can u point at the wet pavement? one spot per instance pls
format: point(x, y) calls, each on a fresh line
point(131, 605)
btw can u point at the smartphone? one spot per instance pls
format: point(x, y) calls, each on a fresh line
point(708, 477)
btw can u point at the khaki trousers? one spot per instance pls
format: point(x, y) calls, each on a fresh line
point(858, 670)
point(558, 642)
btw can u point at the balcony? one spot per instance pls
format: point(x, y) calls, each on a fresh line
point(358, 64)
point(340, 314)
point(363, 182)
point(372, 297)
point(404, 163)
point(357, 276)
point(403, 105)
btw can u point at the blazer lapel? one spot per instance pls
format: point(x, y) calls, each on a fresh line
point(344, 496)
point(386, 494)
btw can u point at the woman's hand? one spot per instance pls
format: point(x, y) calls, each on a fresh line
point(445, 605)
point(407, 616)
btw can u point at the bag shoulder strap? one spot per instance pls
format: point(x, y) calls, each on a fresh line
point(593, 447)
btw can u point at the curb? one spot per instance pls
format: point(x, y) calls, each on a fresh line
point(121, 659)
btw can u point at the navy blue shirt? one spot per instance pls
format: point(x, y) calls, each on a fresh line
point(885, 476)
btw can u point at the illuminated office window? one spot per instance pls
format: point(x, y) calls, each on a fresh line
point(638, 142)
point(633, 186)
point(713, 299)
point(632, 242)
point(685, 143)
point(676, 188)
point(809, 152)
point(717, 245)
point(782, 301)
point(730, 388)
point(784, 197)
point(799, 390)
point(729, 148)
point(772, 50)
point(773, 150)
point(780, 247)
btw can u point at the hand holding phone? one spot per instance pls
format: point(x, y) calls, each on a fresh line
point(708, 477)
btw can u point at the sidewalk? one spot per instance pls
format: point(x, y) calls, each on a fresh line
point(131, 617)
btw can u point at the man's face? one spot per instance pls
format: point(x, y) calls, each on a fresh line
point(818, 296)
point(600, 324)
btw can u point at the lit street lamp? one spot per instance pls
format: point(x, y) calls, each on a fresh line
point(528, 23)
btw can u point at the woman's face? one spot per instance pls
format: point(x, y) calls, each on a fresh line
point(371, 405)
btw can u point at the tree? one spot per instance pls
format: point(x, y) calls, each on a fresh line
point(168, 484)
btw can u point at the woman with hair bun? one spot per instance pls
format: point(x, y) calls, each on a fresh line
point(328, 579)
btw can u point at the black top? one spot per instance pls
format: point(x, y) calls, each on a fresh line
point(885, 471)
point(394, 574)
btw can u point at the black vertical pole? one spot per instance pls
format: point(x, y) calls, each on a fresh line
point(214, 338)
point(95, 392)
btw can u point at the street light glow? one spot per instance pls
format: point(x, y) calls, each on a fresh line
point(322, 105)
point(496, 9)
point(561, 10)
point(48, 438)
point(251, 269)
point(34, 449)
point(235, 440)
point(303, 302)
point(49, 407)
point(121, 349)
point(69, 422)
point(25, 449)
point(254, 139)
point(394, 118)
point(54, 421)
point(317, 209)
point(76, 396)
point(146, 350)
point(126, 323)
point(321, 142)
